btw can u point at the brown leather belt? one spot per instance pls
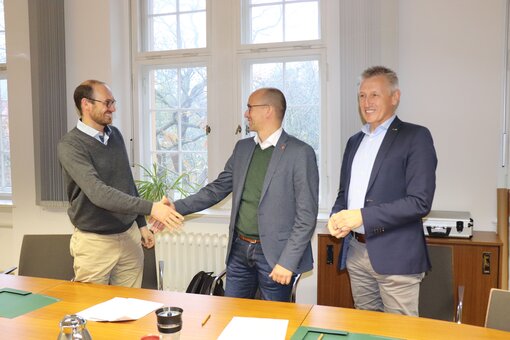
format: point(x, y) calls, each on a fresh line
point(359, 237)
point(247, 239)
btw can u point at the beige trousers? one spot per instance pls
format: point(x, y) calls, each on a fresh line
point(398, 294)
point(108, 259)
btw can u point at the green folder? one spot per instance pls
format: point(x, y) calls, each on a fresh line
point(312, 333)
point(15, 302)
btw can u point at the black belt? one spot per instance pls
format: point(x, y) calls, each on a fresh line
point(359, 237)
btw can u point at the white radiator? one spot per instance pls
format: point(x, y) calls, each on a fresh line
point(186, 253)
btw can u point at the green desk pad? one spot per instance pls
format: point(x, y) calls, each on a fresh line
point(312, 333)
point(15, 302)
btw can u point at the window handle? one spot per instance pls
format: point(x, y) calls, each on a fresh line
point(238, 130)
point(207, 130)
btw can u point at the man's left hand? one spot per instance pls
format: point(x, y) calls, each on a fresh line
point(147, 237)
point(281, 275)
point(347, 220)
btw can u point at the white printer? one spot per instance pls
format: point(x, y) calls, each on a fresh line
point(439, 223)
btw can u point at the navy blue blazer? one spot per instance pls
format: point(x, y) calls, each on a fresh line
point(400, 192)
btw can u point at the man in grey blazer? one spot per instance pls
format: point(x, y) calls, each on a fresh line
point(274, 182)
point(387, 184)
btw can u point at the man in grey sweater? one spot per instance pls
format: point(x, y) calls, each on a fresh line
point(104, 202)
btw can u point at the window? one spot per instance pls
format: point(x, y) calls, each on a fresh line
point(300, 82)
point(268, 21)
point(196, 65)
point(5, 155)
point(173, 24)
point(176, 108)
point(273, 59)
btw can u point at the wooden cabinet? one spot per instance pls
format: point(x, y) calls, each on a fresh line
point(476, 261)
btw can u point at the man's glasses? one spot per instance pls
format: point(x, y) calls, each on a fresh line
point(249, 107)
point(109, 102)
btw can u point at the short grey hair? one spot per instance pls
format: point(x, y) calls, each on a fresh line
point(375, 71)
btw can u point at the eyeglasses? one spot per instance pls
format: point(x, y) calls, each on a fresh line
point(249, 107)
point(109, 102)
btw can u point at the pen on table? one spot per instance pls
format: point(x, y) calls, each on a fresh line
point(206, 319)
point(320, 337)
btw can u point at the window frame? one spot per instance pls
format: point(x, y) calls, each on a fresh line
point(227, 89)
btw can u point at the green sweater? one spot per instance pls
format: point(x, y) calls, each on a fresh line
point(102, 194)
point(247, 221)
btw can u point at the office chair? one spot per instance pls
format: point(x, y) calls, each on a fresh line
point(292, 297)
point(46, 256)
point(151, 271)
point(498, 316)
point(437, 288)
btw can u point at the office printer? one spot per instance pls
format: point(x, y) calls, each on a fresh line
point(439, 223)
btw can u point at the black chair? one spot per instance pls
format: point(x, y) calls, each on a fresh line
point(498, 316)
point(46, 256)
point(151, 271)
point(437, 288)
point(292, 297)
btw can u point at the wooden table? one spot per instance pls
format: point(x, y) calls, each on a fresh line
point(31, 284)
point(75, 297)
point(397, 326)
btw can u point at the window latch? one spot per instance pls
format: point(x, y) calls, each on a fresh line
point(238, 130)
point(207, 130)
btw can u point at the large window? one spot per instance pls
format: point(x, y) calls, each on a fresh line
point(5, 155)
point(196, 63)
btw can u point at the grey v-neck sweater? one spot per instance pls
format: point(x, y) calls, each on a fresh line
point(102, 194)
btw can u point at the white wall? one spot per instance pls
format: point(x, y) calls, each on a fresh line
point(450, 67)
point(449, 61)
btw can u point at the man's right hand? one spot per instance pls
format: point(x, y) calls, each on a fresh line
point(164, 212)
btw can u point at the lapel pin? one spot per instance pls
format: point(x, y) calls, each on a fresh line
point(282, 147)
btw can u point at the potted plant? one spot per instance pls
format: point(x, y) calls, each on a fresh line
point(157, 182)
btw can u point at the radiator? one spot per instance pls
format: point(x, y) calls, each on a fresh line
point(186, 253)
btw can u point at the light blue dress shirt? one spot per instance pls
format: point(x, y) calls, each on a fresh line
point(101, 137)
point(362, 165)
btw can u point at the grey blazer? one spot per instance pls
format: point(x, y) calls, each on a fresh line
point(288, 205)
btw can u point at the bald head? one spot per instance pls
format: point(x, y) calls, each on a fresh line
point(274, 97)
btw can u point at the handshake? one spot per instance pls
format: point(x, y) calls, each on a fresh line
point(163, 214)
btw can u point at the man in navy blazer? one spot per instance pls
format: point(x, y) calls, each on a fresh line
point(387, 184)
point(274, 182)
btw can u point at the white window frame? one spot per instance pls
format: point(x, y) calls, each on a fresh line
point(227, 89)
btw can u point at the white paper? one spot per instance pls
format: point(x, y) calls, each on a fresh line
point(254, 328)
point(119, 309)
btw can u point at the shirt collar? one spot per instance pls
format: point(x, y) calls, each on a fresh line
point(381, 128)
point(93, 132)
point(271, 140)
